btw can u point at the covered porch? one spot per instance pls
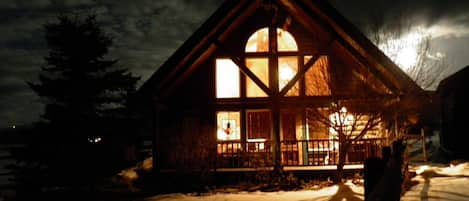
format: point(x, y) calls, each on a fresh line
point(294, 153)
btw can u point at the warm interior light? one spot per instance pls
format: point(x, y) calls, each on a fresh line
point(260, 143)
point(341, 119)
point(260, 68)
point(343, 110)
point(227, 79)
point(317, 78)
point(228, 124)
point(259, 41)
point(285, 75)
point(286, 71)
point(285, 41)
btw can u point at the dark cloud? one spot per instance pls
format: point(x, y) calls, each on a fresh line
point(445, 22)
point(146, 32)
point(424, 11)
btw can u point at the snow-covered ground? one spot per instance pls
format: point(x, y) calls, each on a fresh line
point(348, 192)
point(435, 182)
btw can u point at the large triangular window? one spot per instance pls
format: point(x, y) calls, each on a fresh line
point(227, 79)
point(259, 56)
point(266, 60)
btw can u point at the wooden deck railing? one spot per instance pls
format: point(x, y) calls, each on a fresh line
point(252, 154)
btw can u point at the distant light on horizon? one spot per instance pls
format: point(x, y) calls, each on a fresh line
point(94, 140)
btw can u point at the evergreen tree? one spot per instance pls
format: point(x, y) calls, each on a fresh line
point(86, 112)
point(81, 87)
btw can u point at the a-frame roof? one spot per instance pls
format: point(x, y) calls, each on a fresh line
point(203, 43)
point(454, 79)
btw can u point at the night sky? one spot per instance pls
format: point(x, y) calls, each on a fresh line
point(146, 32)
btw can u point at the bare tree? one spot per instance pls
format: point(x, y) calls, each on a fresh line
point(409, 46)
point(356, 108)
point(348, 123)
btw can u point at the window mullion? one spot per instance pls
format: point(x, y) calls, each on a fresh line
point(244, 69)
point(299, 75)
point(273, 59)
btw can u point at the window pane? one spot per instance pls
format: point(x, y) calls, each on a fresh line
point(227, 78)
point(317, 80)
point(228, 125)
point(260, 68)
point(290, 126)
point(285, 41)
point(259, 41)
point(287, 69)
point(258, 124)
point(316, 129)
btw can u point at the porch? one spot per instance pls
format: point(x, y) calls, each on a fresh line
point(294, 154)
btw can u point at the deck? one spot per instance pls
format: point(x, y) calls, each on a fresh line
point(295, 154)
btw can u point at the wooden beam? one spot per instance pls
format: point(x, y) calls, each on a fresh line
point(244, 69)
point(199, 47)
point(302, 14)
point(299, 75)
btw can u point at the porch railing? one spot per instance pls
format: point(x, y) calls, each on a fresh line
point(317, 152)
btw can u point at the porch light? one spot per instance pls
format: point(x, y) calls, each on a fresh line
point(343, 110)
point(341, 119)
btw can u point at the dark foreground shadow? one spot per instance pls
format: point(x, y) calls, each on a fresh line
point(427, 176)
point(344, 193)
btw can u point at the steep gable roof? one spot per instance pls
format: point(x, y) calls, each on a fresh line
point(455, 79)
point(232, 13)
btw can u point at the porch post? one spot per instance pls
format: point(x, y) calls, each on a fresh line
point(276, 153)
point(273, 66)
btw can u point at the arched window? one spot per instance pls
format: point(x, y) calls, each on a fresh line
point(259, 41)
point(260, 56)
point(265, 62)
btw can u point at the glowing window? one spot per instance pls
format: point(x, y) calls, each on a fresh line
point(317, 79)
point(287, 69)
point(260, 68)
point(315, 127)
point(285, 41)
point(227, 79)
point(287, 65)
point(259, 41)
point(258, 129)
point(341, 119)
point(228, 125)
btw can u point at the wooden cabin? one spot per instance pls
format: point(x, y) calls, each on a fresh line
point(454, 109)
point(240, 91)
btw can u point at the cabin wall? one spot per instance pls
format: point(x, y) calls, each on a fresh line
point(186, 124)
